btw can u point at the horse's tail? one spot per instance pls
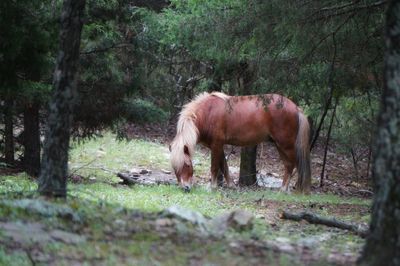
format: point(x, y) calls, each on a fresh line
point(303, 155)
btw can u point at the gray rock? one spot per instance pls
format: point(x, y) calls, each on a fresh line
point(35, 233)
point(239, 220)
point(186, 215)
point(25, 233)
point(145, 172)
point(67, 237)
point(166, 171)
point(41, 207)
point(269, 181)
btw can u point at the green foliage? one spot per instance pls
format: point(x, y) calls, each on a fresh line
point(293, 48)
point(355, 126)
point(142, 111)
point(27, 45)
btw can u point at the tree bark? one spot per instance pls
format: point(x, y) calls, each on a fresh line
point(54, 167)
point(383, 244)
point(248, 158)
point(248, 155)
point(9, 145)
point(31, 137)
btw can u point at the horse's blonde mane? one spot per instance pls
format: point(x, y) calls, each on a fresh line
point(186, 131)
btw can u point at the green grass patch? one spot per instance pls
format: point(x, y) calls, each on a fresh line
point(101, 157)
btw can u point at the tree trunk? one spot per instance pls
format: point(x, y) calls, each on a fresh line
point(383, 244)
point(248, 155)
point(31, 139)
point(248, 158)
point(54, 168)
point(9, 132)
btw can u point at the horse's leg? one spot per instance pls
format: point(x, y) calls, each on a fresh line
point(221, 170)
point(225, 170)
point(288, 158)
point(217, 153)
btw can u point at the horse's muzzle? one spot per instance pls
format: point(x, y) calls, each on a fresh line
point(186, 189)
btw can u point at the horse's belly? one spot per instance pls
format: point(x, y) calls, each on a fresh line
point(247, 136)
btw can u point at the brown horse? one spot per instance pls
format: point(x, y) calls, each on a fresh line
point(215, 119)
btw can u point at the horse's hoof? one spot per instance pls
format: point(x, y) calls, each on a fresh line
point(213, 186)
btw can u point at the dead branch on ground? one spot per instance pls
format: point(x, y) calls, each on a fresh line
point(331, 222)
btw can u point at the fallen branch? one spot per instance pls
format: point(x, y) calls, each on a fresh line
point(315, 219)
point(137, 179)
point(128, 179)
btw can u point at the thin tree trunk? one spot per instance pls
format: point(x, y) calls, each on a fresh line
point(248, 155)
point(31, 139)
point(54, 167)
point(248, 171)
point(383, 244)
point(330, 95)
point(321, 183)
point(9, 145)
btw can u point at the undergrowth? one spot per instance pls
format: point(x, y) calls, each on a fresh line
point(103, 202)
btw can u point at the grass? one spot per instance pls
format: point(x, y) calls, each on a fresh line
point(100, 203)
point(99, 157)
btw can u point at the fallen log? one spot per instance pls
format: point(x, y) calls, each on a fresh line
point(131, 179)
point(128, 179)
point(360, 230)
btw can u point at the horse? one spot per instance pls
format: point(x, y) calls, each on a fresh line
point(214, 119)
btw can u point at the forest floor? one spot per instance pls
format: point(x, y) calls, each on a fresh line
point(105, 223)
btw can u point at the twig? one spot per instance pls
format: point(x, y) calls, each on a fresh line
point(365, 191)
point(328, 101)
point(29, 255)
point(81, 167)
point(315, 219)
point(327, 144)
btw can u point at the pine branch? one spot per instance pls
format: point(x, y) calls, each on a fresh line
point(334, 14)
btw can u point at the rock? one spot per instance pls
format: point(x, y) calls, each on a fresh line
point(275, 175)
point(164, 222)
point(166, 171)
point(92, 179)
point(25, 233)
point(269, 181)
point(67, 237)
point(239, 220)
point(145, 172)
point(35, 233)
point(134, 172)
point(186, 215)
point(41, 207)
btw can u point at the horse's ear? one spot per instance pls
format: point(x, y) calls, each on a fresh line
point(186, 150)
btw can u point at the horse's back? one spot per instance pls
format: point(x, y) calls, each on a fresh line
point(246, 120)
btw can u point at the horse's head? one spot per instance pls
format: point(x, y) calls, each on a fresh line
point(183, 168)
